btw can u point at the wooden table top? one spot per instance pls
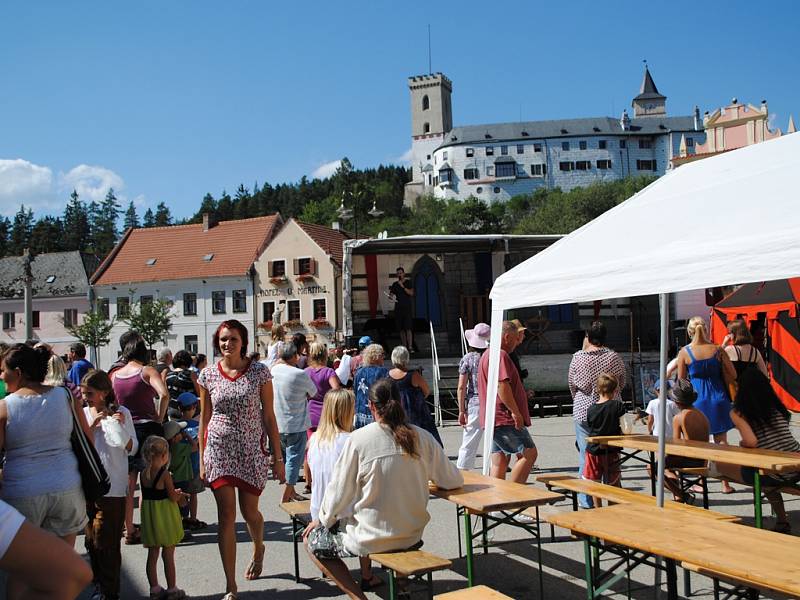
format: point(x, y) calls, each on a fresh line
point(764, 558)
point(482, 494)
point(758, 458)
point(624, 496)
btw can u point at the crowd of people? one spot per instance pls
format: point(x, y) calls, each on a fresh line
point(344, 425)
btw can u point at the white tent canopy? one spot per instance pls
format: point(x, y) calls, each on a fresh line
point(731, 218)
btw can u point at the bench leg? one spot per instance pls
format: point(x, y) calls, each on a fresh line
point(757, 497)
point(430, 585)
point(672, 579)
point(587, 557)
point(392, 585)
point(704, 483)
point(687, 583)
point(539, 552)
point(458, 526)
point(296, 555)
point(485, 534)
point(468, 544)
point(652, 474)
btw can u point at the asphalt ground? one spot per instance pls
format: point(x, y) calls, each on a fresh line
point(510, 568)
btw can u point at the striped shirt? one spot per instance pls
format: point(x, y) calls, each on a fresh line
point(775, 434)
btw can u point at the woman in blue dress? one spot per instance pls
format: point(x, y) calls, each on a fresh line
point(711, 373)
point(369, 372)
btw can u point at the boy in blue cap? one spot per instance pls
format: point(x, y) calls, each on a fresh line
point(189, 404)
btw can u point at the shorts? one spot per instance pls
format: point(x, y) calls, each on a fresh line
point(230, 480)
point(402, 318)
point(603, 468)
point(769, 481)
point(60, 513)
point(509, 440)
point(144, 430)
point(683, 462)
point(327, 543)
point(10, 522)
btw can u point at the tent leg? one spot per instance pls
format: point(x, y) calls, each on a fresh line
point(662, 393)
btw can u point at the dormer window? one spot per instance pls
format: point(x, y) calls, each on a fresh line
point(151, 261)
point(50, 279)
point(208, 257)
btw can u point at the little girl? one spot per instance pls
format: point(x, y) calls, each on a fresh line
point(161, 520)
point(324, 448)
point(107, 515)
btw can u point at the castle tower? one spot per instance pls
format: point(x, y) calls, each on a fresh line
point(649, 103)
point(431, 111)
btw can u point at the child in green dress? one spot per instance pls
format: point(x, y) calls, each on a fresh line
point(161, 521)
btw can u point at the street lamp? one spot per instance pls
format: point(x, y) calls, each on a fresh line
point(345, 214)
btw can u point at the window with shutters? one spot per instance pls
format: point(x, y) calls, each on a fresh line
point(239, 301)
point(293, 310)
point(304, 266)
point(277, 268)
point(320, 308)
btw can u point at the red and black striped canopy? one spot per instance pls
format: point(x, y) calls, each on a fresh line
point(779, 301)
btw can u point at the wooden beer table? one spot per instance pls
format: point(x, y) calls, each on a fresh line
point(637, 533)
point(485, 496)
point(763, 461)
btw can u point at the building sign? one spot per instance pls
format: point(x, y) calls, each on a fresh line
point(289, 291)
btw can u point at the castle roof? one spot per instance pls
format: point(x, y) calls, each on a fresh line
point(498, 133)
point(648, 91)
point(229, 248)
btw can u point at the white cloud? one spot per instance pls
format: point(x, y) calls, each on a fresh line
point(22, 182)
point(772, 121)
point(404, 158)
point(326, 169)
point(91, 182)
point(140, 201)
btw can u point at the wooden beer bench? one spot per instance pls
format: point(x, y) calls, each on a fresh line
point(300, 513)
point(411, 564)
point(478, 592)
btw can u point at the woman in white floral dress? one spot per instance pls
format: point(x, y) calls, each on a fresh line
point(236, 419)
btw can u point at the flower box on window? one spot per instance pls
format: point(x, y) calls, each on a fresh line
point(265, 325)
point(320, 324)
point(281, 279)
point(293, 325)
point(305, 277)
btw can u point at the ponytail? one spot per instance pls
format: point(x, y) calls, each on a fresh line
point(385, 397)
point(697, 330)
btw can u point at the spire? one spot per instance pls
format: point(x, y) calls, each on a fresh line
point(791, 128)
point(682, 148)
point(648, 89)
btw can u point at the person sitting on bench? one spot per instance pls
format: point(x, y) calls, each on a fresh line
point(763, 422)
point(376, 500)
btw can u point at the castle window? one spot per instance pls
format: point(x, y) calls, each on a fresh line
point(601, 144)
point(582, 145)
point(690, 142)
point(538, 170)
point(646, 165)
point(520, 149)
point(565, 145)
point(490, 171)
point(478, 190)
point(471, 173)
point(566, 166)
point(506, 169)
point(497, 190)
point(504, 150)
point(623, 144)
point(489, 150)
point(426, 104)
point(603, 164)
point(583, 165)
point(645, 144)
point(537, 147)
point(426, 128)
point(470, 152)
point(444, 155)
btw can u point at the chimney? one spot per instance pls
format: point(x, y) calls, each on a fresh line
point(335, 226)
point(696, 118)
point(764, 106)
point(625, 121)
point(208, 221)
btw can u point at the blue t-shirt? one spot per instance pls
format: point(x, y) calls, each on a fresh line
point(79, 368)
point(192, 429)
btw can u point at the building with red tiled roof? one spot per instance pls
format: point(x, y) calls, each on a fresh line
point(205, 270)
point(299, 280)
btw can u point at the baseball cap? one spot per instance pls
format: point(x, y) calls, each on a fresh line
point(364, 341)
point(518, 324)
point(187, 399)
point(173, 428)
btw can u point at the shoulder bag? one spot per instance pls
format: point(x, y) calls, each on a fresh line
point(94, 479)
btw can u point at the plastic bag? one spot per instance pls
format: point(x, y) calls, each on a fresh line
point(114, 433)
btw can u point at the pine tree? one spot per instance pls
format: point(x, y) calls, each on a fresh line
point(163, 216)
point(21, 230)
point(131, 218)
point(95, 223)
point(5, 228)
point(47, 235)
point(105, 233)
point(149, 220)
point(76, 223)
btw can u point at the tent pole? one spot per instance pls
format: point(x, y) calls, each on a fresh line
point(662, 395)
point(491, 387)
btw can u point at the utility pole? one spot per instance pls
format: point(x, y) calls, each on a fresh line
point(28, 281)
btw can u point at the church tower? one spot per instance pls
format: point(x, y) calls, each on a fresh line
point(431, 111)
point(649, 103)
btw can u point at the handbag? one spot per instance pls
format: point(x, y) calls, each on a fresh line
point(94, 479)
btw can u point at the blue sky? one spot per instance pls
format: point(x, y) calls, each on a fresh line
point(166, 101)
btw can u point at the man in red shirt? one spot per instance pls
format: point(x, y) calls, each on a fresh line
point(511, 412)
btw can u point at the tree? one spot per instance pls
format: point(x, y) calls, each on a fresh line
point(131, 218)
point(149, 219)
point(47, 235)
point(76, 223)
point(153, 320)
point(105, 226)
point(21, 230)
point(163, 216)
point(94, 332)
point(5, 229)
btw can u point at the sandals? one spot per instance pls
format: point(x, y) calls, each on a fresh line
point(370, 584)
point(135, 537)
point(229, 596)
point(782, 527)
point(254, 569)
point(193, 524)
point(176, 594)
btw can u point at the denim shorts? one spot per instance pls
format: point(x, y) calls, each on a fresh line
point(60, 513)
point(509, 440)
point(294, 451)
